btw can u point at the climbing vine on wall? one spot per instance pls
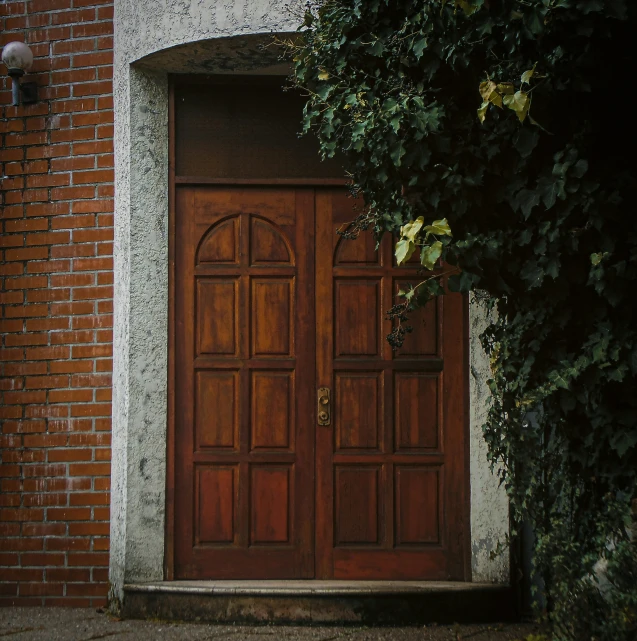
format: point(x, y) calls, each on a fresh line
point(498, 136)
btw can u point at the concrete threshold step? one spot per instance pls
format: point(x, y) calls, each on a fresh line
point(321, 602)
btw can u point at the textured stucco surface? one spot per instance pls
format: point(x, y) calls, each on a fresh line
point(489, 504)
point(154, 38)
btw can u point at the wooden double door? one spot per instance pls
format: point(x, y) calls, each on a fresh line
point(304, 447)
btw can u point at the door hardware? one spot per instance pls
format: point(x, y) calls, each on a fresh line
point(324, 411)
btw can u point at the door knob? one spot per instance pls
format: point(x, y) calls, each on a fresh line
point(323, 398)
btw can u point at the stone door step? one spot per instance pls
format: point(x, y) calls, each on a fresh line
point(321, 602)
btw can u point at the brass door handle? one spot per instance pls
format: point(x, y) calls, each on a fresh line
point(324, 410)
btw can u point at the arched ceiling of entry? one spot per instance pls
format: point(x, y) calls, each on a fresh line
point(255, 54)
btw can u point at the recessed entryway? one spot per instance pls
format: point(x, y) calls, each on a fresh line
point(303, 446)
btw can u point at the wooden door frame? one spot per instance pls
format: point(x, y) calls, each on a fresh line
point(173, 182)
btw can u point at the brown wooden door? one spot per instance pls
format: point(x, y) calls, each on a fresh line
point(390, 467)
point(245, 372)
point(387, 473)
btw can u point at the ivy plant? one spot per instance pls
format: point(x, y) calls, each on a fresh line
point(497, 136)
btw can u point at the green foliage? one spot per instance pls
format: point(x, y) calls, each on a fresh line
point(536, 194)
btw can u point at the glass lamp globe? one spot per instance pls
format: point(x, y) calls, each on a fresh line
point(17, 56)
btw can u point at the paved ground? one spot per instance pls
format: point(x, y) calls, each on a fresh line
point(66, 624)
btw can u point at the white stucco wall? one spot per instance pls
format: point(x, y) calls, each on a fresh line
point(153, 38)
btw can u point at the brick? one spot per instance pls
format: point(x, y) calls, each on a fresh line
point(72, 280)
point(41, 589)
point(48, 180)
point(34, 224)
point(93, 59)
point(88, 469)
point(88, 529)
point(69, 575)
point(79, 133)
point(69, 164)
point(48, 295)
point(92, 235)
point(36, 6)
point(92, 293)
point(91, 351)
point(94, 589)
point(71, 396)
point(91, 380)
point(100, 175)
point(49, 238)
point(47, 324)
point(47, 266)
point(86, 322)
point(26, 339)
point(25, 311)
point(72, 193)
point(68, 309)
point(97, 147)
point(92, 409)
point(87, 206)
point(44, 500)
point(48, 209)
point(72, 251)
point(21, 544)
point(46, 382)
point(71, 17)
point(90, 498)
point(22, 574)
point(8, 514)
point(69, 367)
point(91, 89)
point(87, 559)
point(93, 118)
point(68, 514)
point(42, 558)
point(31, 253)
point(63, 338)
point(49, 151)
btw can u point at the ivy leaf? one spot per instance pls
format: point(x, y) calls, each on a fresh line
point(438, 228)
point(506, 88)
point(419, 46)
point(519, 102)
point(323, 75)
point(397, 152)
point(482, 111)
point(410, 230)
point(430, 254)
point(403, 251)
point(527, 75)
point(526, 141)
point(490, 93)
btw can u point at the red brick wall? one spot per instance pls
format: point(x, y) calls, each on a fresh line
point(56, 161)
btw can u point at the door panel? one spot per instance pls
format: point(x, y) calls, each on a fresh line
point(245, 362)
point(270, 306)
point(390, 466)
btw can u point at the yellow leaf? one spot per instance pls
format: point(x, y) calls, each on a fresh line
point(429, 255)
point(410, 230)
point(439, 228)
point(506, 88)
point(520, 103)
point(527, 75)
point(324, 75)
point(403, 251)
point(489, 92)
point(482, 112)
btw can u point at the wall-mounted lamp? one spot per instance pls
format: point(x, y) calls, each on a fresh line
point(18, 57)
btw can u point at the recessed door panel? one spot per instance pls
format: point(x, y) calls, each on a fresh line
point(304, 446)
point(245, 380)
point(397, 428)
